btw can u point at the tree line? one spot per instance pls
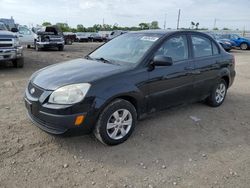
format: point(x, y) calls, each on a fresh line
point(105, 27)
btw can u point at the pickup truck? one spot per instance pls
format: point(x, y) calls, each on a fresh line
point(49, 37)
point(10, 48)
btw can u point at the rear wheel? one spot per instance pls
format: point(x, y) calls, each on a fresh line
point(244, 46)
point(18, 63)
point(116, 122)
point(218, 94)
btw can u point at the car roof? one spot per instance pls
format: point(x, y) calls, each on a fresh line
point(166, 32)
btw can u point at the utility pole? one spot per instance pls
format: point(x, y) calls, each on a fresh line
point(178, 20)
point(165, 21)
point(215, 21)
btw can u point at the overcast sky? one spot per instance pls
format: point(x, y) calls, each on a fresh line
point(229, 13)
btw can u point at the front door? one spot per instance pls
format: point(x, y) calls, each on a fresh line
point(171, 85)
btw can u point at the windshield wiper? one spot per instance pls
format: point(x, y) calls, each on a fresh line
point(103, 60)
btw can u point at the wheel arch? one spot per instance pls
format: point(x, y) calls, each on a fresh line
point(225, 75)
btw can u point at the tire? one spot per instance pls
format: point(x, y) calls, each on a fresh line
point(218, 94)
point(28, 46)
point(18, 63)
point(117, 108)
point(244, 46)
point(60, 48)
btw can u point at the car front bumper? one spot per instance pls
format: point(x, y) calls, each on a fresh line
point(59, 119)
point(7, 54)
point(49, 44)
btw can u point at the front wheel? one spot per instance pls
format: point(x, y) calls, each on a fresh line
point(18, 63)
point(218, 94)
point(116, 122)
point(244, 46)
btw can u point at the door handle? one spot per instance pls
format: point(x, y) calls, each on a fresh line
point(196, 72)
point(189, 68)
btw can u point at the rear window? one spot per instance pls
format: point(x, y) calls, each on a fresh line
point(215, 49)
point(202, 46)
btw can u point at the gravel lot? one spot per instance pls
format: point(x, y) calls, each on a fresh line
point(168, 149)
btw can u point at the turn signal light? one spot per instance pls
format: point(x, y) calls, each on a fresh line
point(79, 120)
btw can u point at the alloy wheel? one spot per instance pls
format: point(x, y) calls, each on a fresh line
point(220, 93)
point(119, 124)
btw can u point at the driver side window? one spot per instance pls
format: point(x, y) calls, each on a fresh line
point(175, 47)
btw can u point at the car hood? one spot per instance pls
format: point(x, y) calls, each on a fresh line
point(72, 72)
point(7, 34)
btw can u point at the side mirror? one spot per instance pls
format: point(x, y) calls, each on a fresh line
point(14, 30)
point(161, 60)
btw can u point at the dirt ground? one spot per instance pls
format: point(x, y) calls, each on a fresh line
point(168, 149)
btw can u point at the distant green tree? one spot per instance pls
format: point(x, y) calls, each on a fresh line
point(74, 30)
point(64, 27)
point(46, 24)
point(216, 28)
point(80, 28)
point(97, 27)
point(144, 26)
point(154, 25)
point(225, 29)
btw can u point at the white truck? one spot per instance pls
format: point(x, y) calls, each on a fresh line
point(10, 48)
point(26, 36)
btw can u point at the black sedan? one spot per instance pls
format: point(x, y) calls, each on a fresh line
point(127, 78)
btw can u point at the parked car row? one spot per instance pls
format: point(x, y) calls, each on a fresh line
point(90, 37)
point(230, 41)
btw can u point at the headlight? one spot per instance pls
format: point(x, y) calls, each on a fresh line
point(70, 94)
point(16, 42)
point(228, 43)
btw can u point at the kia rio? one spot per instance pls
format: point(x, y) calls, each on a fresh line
point(133, 75)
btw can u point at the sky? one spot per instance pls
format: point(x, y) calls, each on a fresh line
point(233, 14)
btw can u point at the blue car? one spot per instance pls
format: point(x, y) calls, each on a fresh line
point(242, 43)
point(225, 43)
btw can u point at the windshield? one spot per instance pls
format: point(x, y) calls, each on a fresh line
point(127, 48)
point(3, 27)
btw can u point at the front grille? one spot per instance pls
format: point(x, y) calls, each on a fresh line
point(5, 40)
point(37, 92)
point(5, 45)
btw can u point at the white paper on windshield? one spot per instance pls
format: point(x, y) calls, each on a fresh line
point(151, 39)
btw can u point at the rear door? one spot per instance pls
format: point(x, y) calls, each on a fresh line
point(207, 59)
point(171, 85)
